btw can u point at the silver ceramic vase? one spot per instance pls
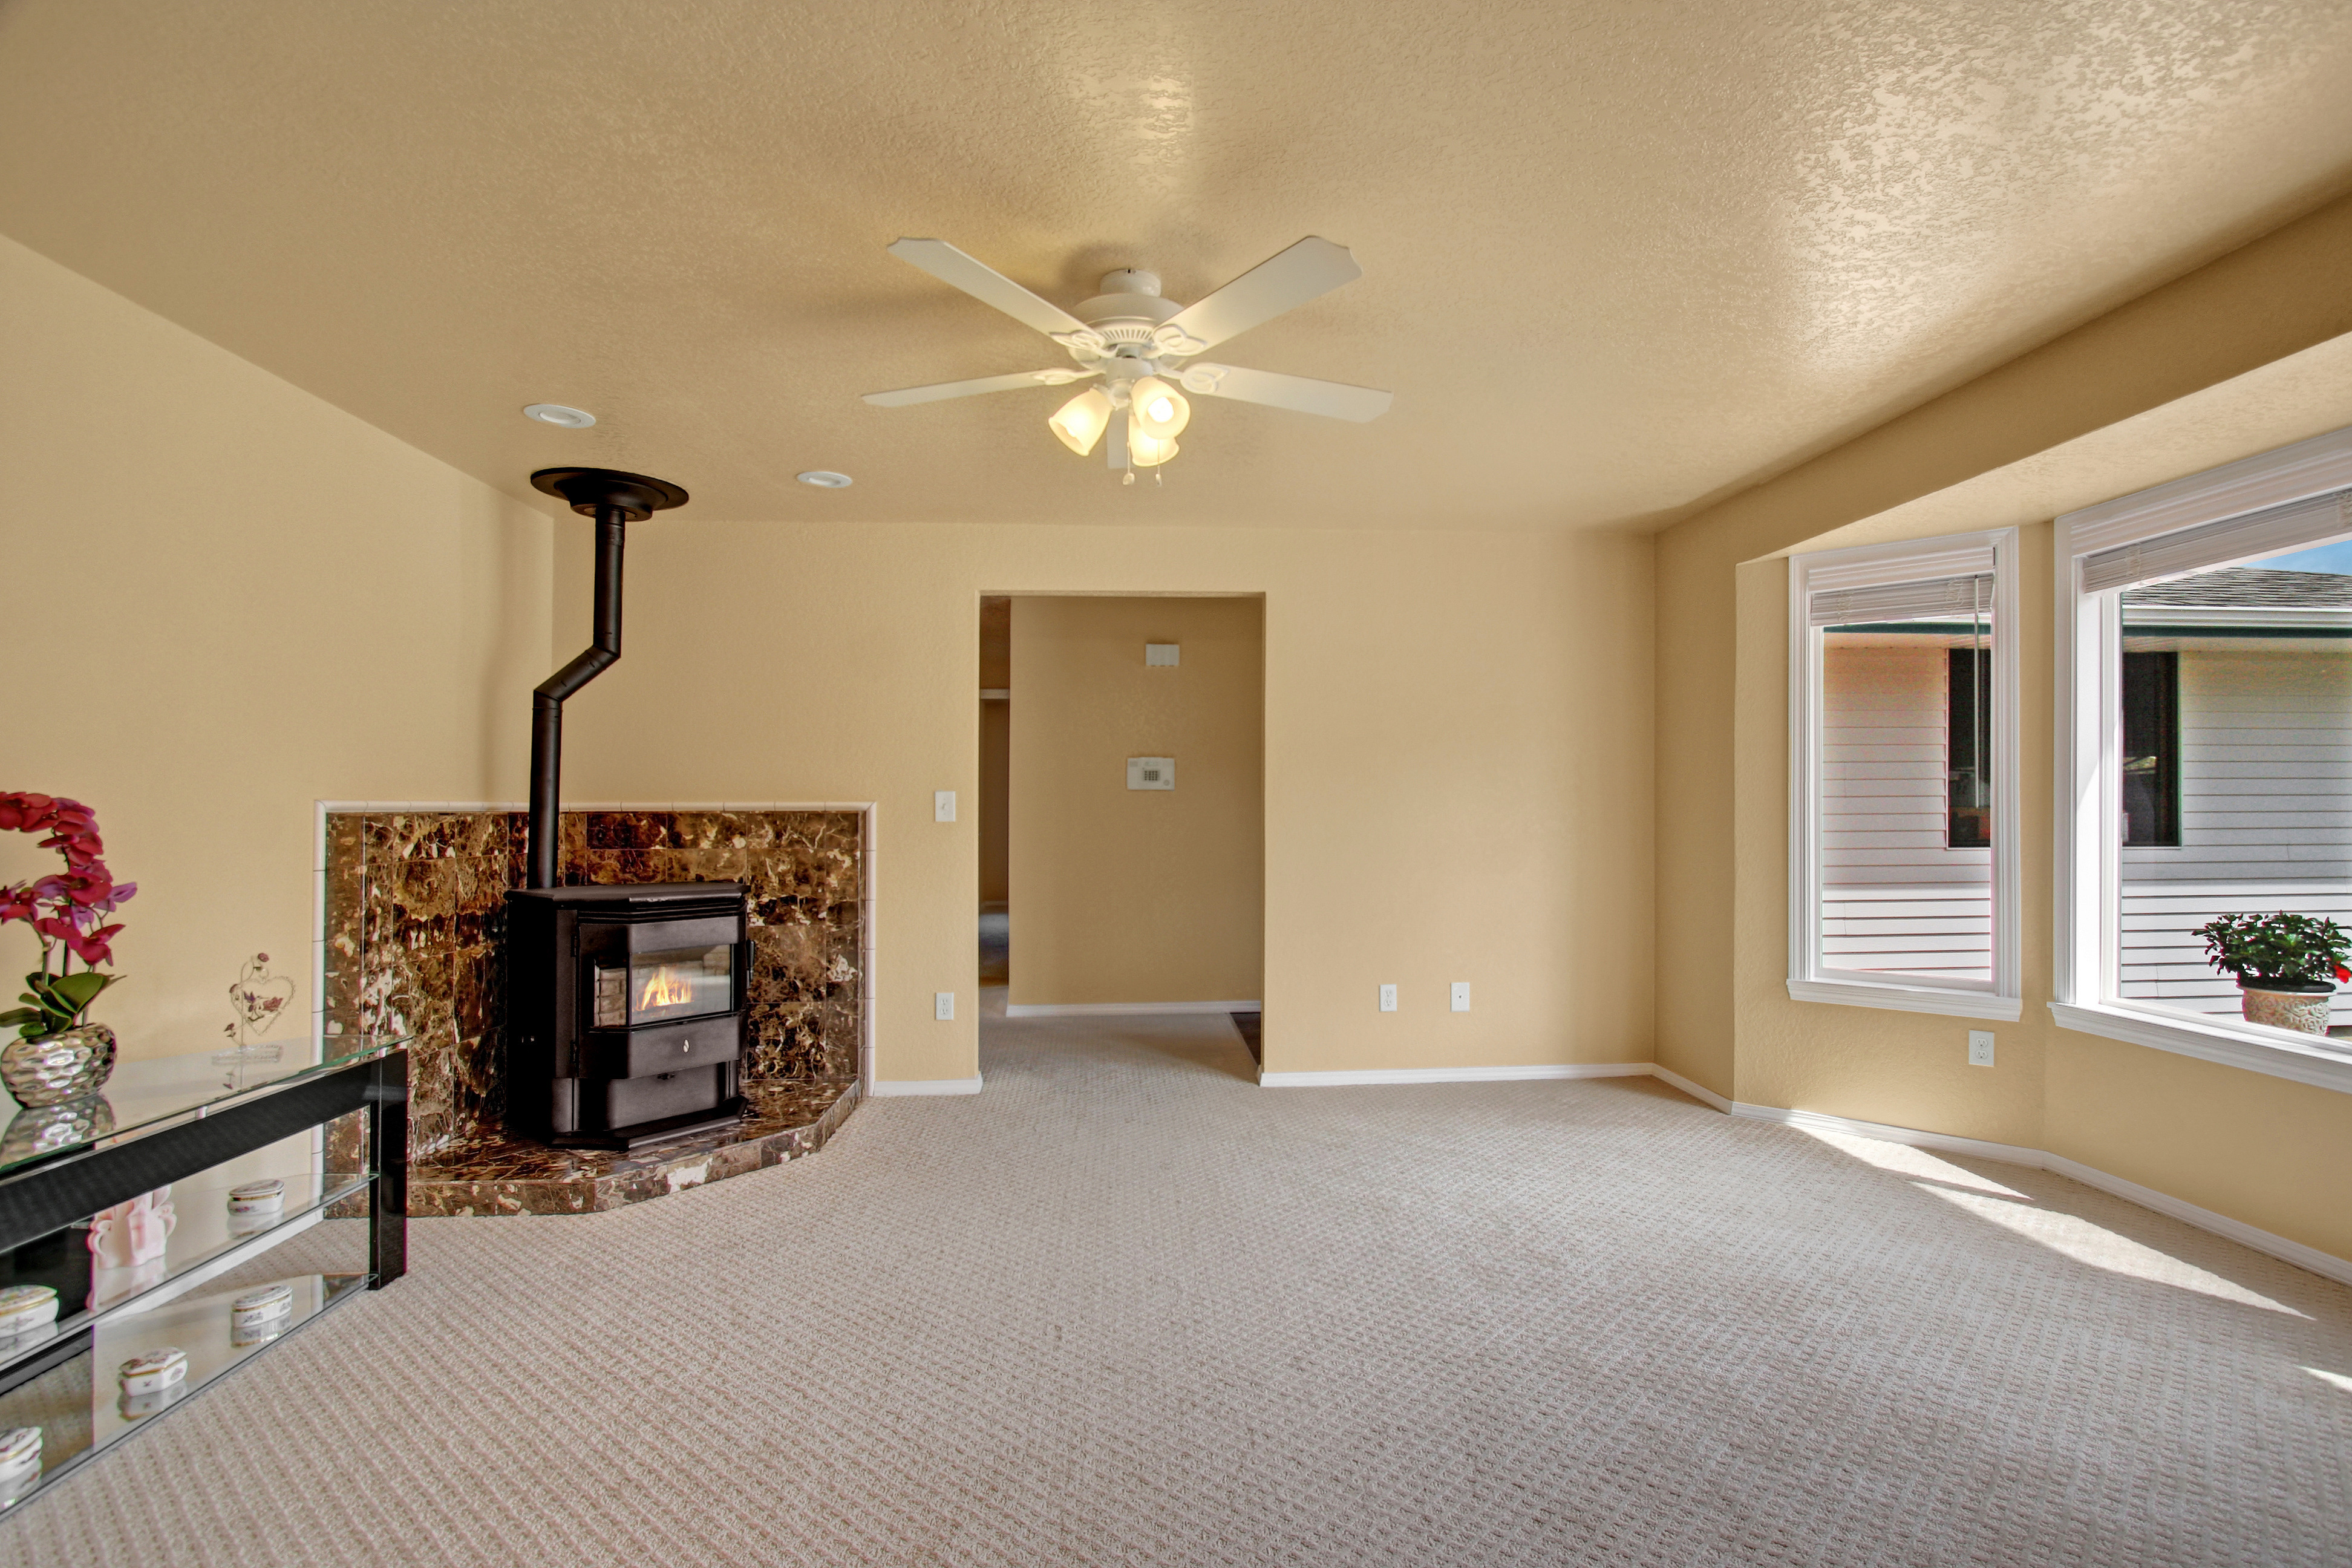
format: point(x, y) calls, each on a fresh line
point(50, 1070)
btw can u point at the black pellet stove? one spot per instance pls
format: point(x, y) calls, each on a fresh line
point(626, 1010)
point(624, 1003)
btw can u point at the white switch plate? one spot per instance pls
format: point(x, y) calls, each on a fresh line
point(943, 805)
point(943, 1005)
point(1152, 773)
point(1980, 1048)
point(1462, 996)
point(1160, 655)
point(1388, 998)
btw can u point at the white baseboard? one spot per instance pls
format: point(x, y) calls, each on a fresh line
point(1950, 1144)
point(2326, 1265)
point(1121, 1009)
point(886, 1087)
point(1452, 1075)
point(1697, 1091)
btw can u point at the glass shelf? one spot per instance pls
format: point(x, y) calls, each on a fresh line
point(145, 1097)
point(205, 1237)
point(78, 1405)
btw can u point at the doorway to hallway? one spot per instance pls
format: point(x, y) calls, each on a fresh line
point(1121, 806)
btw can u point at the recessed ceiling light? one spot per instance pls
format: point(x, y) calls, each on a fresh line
point(826, 480)
point(557, 414)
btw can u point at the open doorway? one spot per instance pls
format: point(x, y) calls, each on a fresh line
point(995, 757)
point(1121, 809)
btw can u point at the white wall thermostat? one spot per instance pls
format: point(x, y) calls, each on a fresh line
point(1160, 655)
point(1152, 773)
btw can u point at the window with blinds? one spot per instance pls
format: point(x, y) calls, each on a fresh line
point(1899, 756)
point(2274, 531)
point(2223, 671)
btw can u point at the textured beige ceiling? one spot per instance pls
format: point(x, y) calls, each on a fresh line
point(1619, 258)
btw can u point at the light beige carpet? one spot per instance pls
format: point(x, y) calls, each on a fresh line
point(1127, 1307)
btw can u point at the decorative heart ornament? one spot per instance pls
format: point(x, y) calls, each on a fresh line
point(260, 998)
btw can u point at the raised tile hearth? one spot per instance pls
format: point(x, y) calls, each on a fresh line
point(502, 1176)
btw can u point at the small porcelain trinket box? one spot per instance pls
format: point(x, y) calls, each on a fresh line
point(151, 1372)
point(267, 1196)
point(20, 1453)
point(24, 1306)
point(260, 1314)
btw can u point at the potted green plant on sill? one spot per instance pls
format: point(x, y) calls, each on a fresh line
point(2286, 966)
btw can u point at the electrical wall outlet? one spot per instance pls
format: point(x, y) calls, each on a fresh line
point(1388, 998)
point(1152, 773)
point(1161, 655)
point(1980, 1048)
point(943, 805)
point(943, 1005)
point(1462, 996)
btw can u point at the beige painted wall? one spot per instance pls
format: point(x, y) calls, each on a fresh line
point(2208, 369)
point(1123, 895)
point(229, 600)
point(1458, 781)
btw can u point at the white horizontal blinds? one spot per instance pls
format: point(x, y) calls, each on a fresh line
point(1934, 598)
point(2249, 536)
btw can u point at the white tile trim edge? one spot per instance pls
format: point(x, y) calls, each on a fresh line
point(1453, 1075)
point(1906, 999)
point(890, 1088)
point(1121, 1009)
point(2324, 1264)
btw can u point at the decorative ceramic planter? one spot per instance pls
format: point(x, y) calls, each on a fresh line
point(50, 1070)
point(2297, 1004)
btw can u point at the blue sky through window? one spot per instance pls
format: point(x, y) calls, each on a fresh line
point(2335, 558)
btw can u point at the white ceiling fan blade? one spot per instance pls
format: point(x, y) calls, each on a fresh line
point(1295, 392)
point(1313, 266)
point(984, 283)
point(1058, 376)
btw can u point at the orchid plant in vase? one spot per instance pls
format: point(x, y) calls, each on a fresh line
point(59, 1056)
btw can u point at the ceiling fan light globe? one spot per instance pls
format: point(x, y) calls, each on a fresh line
point(1160, 411)
point(1147, 451)
point(1079, 423)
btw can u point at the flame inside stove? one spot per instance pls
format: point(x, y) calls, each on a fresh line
point(664, 987)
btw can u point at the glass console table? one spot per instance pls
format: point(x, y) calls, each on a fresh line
point(333, 1132)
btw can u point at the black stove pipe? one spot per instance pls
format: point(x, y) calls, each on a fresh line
point(547, 699)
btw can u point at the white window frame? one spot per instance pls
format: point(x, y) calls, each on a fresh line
point(1866, 566)
point(2088, 851)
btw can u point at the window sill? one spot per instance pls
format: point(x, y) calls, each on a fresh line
point(1909, 999)
point(2281, 1053)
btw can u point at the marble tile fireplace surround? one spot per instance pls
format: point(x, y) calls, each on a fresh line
point(412, 901)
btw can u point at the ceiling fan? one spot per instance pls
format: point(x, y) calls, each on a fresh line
point(1137, 342)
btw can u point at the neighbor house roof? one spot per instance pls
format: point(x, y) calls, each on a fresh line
point(2249, 587)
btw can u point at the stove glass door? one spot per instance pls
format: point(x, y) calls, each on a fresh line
point(656, 987)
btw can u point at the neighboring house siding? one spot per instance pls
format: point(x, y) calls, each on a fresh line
point(1894, 898)
point(2266, 815)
